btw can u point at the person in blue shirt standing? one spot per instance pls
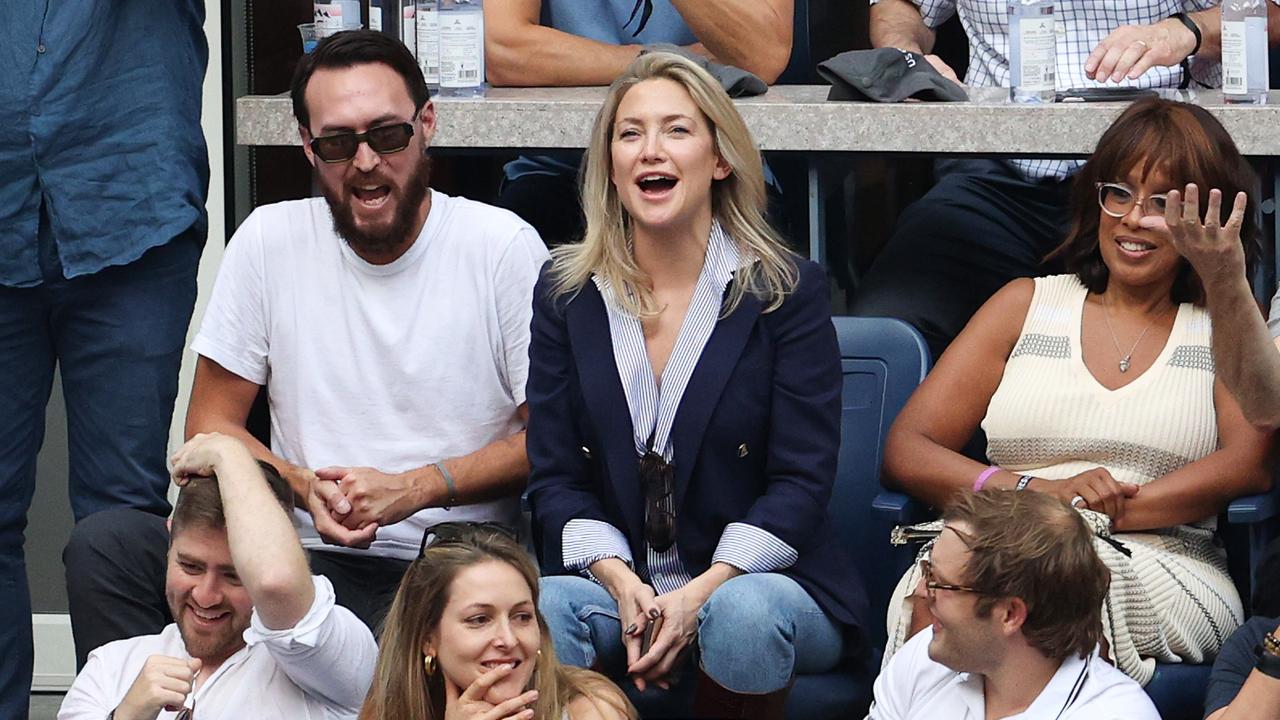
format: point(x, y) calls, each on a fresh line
point(102, 222)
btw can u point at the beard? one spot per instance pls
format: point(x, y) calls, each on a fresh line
point(392, 235)
point(209, 645)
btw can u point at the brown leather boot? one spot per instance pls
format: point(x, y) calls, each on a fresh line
point(715, 701)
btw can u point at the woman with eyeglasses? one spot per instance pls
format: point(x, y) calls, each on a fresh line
point(684, 416)
point(1098, 387)
point(463, 640)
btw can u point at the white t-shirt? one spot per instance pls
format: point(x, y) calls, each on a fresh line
point(914, 687)
point(318, 670)
point(389, 366)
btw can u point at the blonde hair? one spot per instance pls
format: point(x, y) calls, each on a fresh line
point(738, 202)
point(401, 688)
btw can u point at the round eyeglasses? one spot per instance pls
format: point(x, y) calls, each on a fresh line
point(1118, 199)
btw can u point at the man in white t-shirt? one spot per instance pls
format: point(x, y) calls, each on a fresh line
point(1015, 590)
point(254, 634)
point(389, 324)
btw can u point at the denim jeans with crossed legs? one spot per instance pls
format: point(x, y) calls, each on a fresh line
point(754, 632)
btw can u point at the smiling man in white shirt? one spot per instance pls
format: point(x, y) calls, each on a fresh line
point(1015, 589)
point(255, 635)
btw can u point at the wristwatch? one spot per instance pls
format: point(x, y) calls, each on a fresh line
point(1195, 30)
point(1269, 656)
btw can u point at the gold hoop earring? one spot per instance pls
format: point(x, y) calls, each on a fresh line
point(429, 664)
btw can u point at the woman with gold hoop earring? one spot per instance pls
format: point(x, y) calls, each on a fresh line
point(463, 640)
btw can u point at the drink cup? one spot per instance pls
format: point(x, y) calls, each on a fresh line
point(313, 33)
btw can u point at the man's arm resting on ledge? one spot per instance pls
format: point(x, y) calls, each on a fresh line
point(520, 52)
point(898, 24)
point(755, 35)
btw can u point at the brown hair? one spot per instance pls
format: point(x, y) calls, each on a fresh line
point(200, 503)
point(1187, 144)
point(348, 49)
point(402, 690)
point(1031, 546)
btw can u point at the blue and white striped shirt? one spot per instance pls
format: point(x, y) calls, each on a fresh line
point(653, 408)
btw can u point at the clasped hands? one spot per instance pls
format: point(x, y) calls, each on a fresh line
point(674, 620)
point(349, 504)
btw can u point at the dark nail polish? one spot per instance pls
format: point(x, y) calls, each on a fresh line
point(653, 613)
point(631, 630)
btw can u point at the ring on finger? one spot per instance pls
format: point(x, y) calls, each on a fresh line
point(1078, 500)
point(1143, 43)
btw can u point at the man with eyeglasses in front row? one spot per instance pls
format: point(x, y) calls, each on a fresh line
point(254, 634)
point(1016, 591)
point(390, 325)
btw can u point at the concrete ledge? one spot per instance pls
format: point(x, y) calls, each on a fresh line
point(795, 117)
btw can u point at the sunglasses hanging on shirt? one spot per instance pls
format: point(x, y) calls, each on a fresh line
point(657, 476)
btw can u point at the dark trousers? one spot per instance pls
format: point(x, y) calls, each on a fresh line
point(117, 336)
point(981, 226)
point(364, 584)
point(116, 562)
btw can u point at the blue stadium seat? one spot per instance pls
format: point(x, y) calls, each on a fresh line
point(883, 361)
point(1176, 689)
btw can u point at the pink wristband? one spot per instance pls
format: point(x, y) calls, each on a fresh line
point(983, 477)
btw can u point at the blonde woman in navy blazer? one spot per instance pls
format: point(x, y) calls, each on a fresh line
point(684, 402)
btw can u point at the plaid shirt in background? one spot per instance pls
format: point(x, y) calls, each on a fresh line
point(1082, 24)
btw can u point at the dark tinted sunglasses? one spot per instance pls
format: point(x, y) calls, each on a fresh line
point(658, 478)
point(383, 140)
point(457, 532)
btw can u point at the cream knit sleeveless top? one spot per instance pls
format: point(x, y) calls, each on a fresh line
point(1049, 417)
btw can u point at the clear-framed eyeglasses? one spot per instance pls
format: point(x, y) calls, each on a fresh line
point(1118, 199)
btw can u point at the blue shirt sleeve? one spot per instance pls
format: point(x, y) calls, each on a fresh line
point(1234, 663)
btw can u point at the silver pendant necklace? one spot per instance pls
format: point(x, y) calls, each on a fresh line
point(1124, 357)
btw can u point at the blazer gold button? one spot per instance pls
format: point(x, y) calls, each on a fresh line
point(742, 450)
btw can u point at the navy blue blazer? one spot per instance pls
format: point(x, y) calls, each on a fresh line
point(756, 435)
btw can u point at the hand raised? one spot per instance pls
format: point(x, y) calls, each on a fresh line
point(198, 456)
point(1213, 249)
point(163, 683)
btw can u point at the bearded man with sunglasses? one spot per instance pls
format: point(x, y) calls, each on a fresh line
point(1016, 591)
point(388, 322)
point(254, 634)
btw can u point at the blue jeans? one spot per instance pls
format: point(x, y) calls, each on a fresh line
point(754, 633)
point(117, 336)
